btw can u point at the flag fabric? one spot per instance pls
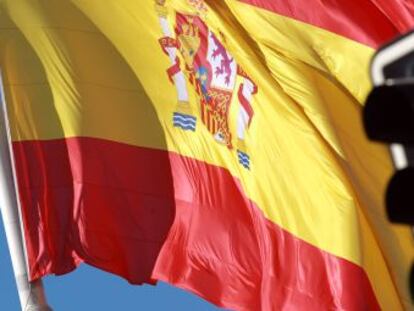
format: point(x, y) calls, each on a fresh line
point(213, 145)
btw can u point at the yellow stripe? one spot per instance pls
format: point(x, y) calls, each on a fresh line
point(99, 71)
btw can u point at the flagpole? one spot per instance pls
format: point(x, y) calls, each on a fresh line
point(31, 294)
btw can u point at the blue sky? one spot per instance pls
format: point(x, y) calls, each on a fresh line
point(90, 289)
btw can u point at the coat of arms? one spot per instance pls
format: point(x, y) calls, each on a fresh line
point(199, 60)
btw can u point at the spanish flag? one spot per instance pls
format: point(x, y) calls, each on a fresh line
point(213, 145)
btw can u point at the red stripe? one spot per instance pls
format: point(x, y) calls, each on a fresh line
point(213, 123)
point(371, 22)
point(111, 204)
point(203, 113)
point(209, 123)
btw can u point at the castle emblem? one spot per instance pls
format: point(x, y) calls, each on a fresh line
point(199, 60)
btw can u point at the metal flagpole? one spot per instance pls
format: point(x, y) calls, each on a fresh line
point(31, 294)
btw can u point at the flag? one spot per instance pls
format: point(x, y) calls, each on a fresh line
point(213, 145)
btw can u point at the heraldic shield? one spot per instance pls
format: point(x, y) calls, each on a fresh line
point(200, 61)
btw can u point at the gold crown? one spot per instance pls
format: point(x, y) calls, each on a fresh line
point(190, 29)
